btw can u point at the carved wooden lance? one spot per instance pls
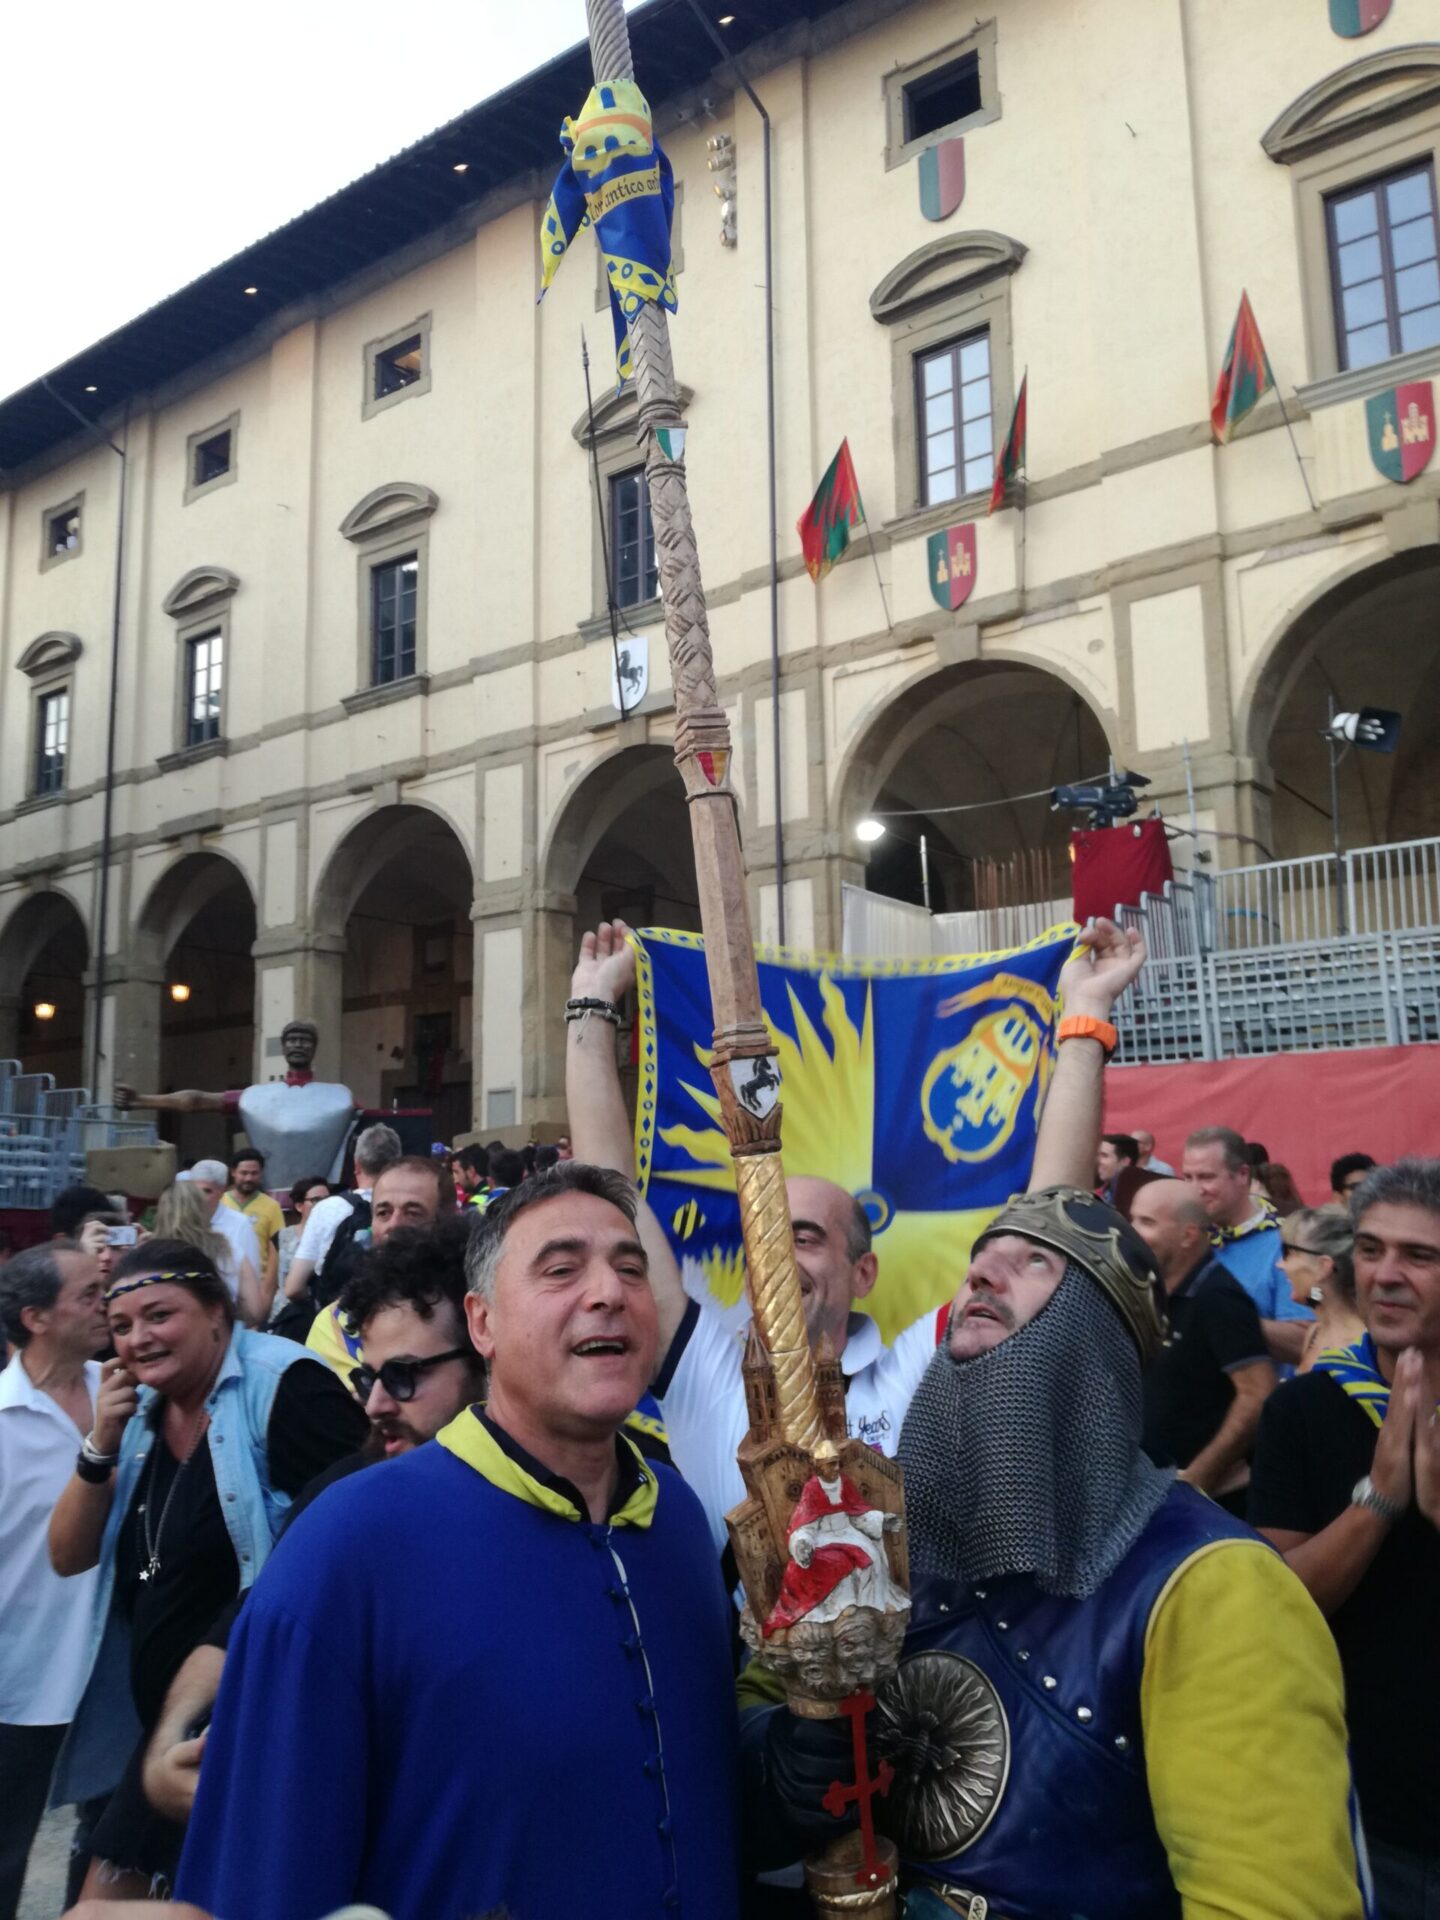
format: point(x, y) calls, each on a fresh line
point(702, 753)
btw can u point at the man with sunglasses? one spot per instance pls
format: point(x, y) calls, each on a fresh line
point(1113, 1699)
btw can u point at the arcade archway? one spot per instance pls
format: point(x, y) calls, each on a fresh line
point(198, 929)
point(622, 845)
point(990, 738)
point(43, 955)
point(400, 889)
point(1371, 641)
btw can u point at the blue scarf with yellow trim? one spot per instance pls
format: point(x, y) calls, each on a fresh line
point(1356, 1372)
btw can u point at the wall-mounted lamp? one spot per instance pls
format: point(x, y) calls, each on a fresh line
point(44, 1009)
point(179, 993)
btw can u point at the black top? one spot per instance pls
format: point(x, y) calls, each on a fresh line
point(627, 1481)
point(1315, 1443)
point(313, 1422)
point(1214, 1330)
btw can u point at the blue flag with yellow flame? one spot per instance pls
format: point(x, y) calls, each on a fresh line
point(914, 1084)
point(617, 179)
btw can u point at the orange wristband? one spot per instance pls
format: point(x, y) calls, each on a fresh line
point(1081, 1026)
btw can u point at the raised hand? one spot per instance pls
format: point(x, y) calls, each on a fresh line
point(1094, 978)
point(606, 967)
point(114, 1404)
point(1392, 1471)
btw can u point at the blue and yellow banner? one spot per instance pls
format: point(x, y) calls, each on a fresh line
point(914, 1084)
point(617, 179)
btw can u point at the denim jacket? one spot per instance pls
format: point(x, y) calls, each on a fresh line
point(106, 1727)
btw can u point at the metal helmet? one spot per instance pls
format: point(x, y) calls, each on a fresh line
point(1101, 1241)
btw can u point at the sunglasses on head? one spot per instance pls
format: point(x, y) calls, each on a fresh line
point(1293, 1246)
point(400, 1378)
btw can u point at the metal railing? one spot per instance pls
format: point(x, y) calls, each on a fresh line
point(1386, 889)
point(46, 1132)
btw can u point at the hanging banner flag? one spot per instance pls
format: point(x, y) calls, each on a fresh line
point(825, 525)
point(1011, 464)
point(1351, 18)
point(1245, 376)
point(915, 1085)
point(942, 179)
point(1401, 424)
point(950, 556)
point(630, 672)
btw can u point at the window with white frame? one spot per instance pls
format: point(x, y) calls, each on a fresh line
point(52, 740)
point(956, 437)
point(394, 599)
point(204, 684)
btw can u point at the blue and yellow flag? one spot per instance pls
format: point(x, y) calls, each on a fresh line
point(916, 1084)
point(616, 179)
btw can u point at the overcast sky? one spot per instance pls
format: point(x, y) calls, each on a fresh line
point(145, 142)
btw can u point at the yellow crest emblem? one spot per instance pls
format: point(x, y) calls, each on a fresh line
point(972, 1093)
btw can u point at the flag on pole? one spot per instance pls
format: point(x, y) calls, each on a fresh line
point(1011, 463)
point(825, 525)
point(1245, 377)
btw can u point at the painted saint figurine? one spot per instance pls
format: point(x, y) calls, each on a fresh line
point(837, 1554)
point(299, 1123)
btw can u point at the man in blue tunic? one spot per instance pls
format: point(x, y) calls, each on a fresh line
point(497, 1674)
point(1114, 1699)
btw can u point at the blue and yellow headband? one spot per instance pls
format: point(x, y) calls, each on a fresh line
point(133, 1285)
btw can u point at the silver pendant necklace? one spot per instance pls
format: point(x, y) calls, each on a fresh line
point(152, 1545)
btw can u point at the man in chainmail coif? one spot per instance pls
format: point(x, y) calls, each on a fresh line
point(1114, 1698)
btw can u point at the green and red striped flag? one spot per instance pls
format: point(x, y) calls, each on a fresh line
point(1011, 463)
point(1245, 377)
point(825, 524)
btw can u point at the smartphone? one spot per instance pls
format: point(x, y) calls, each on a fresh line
point(121, 1236)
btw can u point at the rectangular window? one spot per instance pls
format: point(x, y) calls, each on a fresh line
point(1384, 268)
point(204, 675)
point(399, 366)
point(941, 98)
point(62, 532)
point(633, 574)
point(52, 740)
point(954, 429)
point(212, 459)
point(393, 593)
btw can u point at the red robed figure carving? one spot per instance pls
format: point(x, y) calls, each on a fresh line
point(837, 1557)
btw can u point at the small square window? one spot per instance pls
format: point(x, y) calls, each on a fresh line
point(950, 93)
point(633, 574)
point(394, 591)
point(399, 366)
point(204, 684)
point(62, 532)
point(52, 740)
point(212, 458)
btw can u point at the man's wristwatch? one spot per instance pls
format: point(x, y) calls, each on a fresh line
point(1367, 1494)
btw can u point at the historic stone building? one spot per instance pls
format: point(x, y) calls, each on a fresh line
point(350, 670)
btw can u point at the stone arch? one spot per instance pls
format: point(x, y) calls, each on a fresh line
point(185, 888)
point(981, 734)
point(1365, 636)
point(605, 792)
point(44, 954)
point(394, 903)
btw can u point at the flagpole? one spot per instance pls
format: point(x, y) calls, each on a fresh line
point(875, 558)
point(703, 756)
point(1294, 444)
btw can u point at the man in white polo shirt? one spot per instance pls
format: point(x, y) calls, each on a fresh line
point(698, 1382)
point(53, 1314)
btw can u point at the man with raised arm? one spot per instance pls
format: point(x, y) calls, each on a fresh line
point(698, 1382)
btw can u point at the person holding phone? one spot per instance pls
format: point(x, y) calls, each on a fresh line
point(203, 1434)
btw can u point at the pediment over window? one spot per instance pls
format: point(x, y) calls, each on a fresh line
point(617, 413)
point(1374, 92)
point(941, 269)
point(50, 652)
point(199, 589)
point(388, 509)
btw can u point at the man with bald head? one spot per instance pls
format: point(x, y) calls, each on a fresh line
point(699, 1382)
point(1205, 1389)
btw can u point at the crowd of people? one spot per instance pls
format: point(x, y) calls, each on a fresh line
point(1172, 1465)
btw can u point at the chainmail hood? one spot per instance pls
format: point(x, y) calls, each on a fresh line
point(1027, 1458)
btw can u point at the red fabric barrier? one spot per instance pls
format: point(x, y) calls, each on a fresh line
point(1307, 1108)
point(1118, 863)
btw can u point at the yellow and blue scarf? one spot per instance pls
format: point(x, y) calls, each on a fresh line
point(1266, 1217)
point(617, 179)
point(1356, 1371)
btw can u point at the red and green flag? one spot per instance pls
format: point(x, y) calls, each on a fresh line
point(1011, 463)
point(825, 524)
point(1245, 377)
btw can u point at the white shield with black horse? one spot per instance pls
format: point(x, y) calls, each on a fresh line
point(630, 672)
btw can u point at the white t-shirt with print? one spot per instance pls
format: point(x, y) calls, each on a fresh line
point(702, 1396)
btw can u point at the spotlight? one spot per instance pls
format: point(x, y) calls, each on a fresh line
point(1376, 729)
point(870, 831)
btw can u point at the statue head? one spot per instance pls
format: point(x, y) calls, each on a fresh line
point(826, 1462)
point(298, 1041)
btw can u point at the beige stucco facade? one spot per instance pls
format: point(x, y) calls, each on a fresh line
point(1117, 203)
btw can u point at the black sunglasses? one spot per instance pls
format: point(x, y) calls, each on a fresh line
point(400, 1378)
point(1292, 1246)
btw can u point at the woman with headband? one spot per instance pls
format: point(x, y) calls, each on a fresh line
point(204, 1432)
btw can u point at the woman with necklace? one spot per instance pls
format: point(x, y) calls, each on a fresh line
point(204, 1433)
point(1317, 1253)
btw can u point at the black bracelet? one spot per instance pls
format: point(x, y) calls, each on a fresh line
point(94, 1472)
point(577, 1010)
